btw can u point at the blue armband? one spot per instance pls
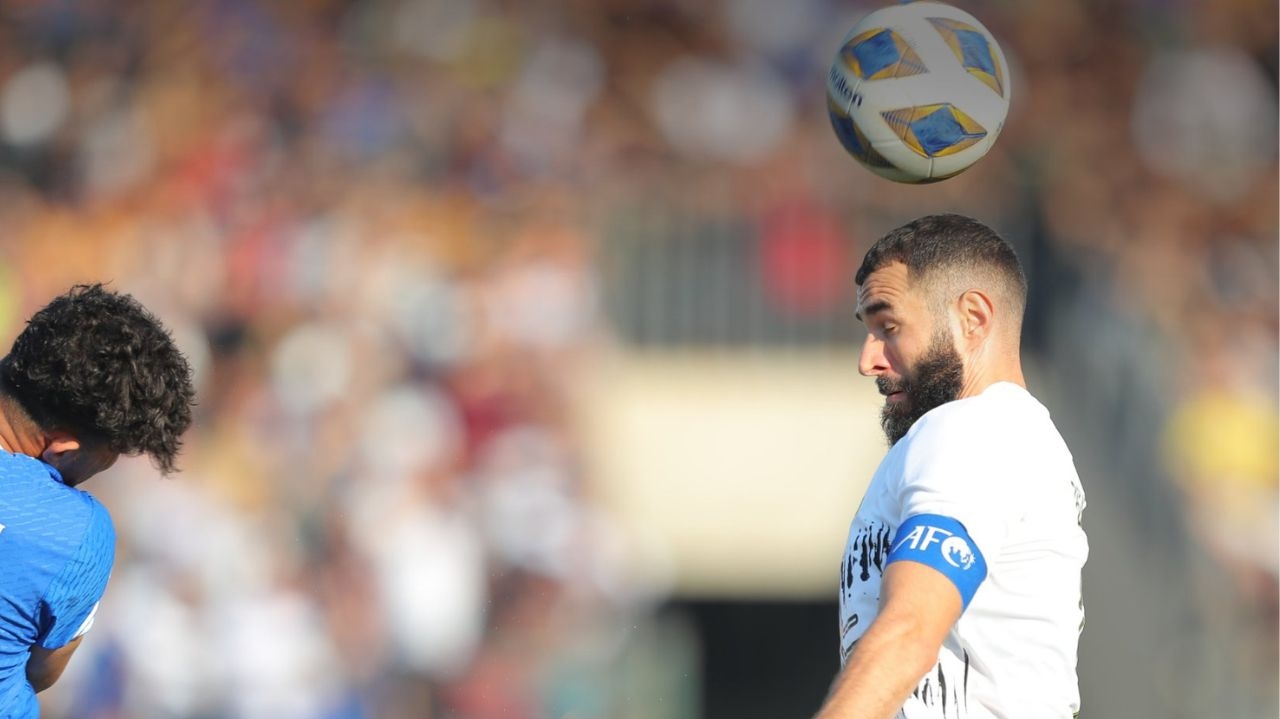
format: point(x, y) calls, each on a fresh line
point(942, 543)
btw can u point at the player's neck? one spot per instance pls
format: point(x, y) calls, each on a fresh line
point(978, 381)
point(14, 437)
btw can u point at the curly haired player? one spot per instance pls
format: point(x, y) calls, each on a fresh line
point(94, 375)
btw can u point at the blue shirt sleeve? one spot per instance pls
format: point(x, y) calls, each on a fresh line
point(72, 597)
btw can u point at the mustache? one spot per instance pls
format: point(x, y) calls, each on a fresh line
point(888, 386)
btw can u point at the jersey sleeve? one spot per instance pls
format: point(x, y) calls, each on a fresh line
point(69, 604)
point(954, 501)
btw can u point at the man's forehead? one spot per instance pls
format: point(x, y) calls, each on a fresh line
point(886, 284)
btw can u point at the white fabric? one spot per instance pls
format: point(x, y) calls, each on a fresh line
point(87, 624)
point(995, 463)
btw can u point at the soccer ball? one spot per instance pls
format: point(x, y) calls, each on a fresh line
point(918, 92)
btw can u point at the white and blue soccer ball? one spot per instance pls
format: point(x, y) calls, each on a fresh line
point(918, 92)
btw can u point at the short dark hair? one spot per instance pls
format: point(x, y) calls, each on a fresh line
point(97, 364)
point(947, 243)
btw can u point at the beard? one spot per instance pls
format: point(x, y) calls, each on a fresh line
point(936, 380)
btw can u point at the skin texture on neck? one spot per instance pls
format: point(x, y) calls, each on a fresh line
point(18, 434)
point(978, 378)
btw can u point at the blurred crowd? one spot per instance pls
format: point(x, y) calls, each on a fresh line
point(376, 228)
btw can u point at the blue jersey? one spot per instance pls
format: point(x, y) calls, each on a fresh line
point(57, 545)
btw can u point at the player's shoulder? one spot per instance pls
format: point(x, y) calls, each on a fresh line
point(20, 467)
point(100, 530)
point(1001, 419)
point(1003, 405)
point(34, 486)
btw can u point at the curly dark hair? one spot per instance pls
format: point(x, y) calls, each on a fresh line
point(97, 364)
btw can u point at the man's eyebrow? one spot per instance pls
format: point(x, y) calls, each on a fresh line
point(873, 308)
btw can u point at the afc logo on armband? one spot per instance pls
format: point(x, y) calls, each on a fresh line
point(954, 549)
point(943, 543)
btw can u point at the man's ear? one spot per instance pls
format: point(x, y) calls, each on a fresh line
point(58, 442)
point(977, 312)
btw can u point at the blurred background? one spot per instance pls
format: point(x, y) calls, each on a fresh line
point(526, 359)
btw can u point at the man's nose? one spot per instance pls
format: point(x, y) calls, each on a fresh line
point(872, 362)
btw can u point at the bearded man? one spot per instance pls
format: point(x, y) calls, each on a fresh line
point(961, 582)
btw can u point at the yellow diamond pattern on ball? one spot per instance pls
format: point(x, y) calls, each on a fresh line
point(881, 54)
point(852, 137)
point(972, 50)
point(935, 130)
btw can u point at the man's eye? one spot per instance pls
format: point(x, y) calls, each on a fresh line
point(890, 329)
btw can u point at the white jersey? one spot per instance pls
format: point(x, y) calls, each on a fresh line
point(995, 464)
